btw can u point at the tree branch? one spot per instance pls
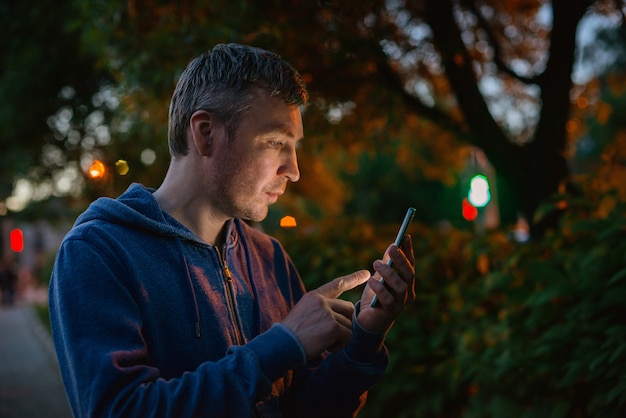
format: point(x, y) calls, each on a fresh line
point(495, 46)
point(413, 103)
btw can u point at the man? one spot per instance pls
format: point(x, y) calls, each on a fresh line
point(165, 303)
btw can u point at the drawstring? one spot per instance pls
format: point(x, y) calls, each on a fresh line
point(193, 292)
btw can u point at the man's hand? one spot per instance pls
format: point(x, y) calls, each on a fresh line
point(322, 322)
point(395, 294)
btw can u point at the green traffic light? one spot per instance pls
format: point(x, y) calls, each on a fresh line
point(479, 194)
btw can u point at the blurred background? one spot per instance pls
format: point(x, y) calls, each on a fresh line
point(503, 123)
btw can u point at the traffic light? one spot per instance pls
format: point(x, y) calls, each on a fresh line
point(469, 211)
point(16, 240)
point(479, 194)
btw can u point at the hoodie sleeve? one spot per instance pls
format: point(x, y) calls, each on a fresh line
point(105, 362)
point(337, 384)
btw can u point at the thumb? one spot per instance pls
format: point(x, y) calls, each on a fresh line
point(341, 284)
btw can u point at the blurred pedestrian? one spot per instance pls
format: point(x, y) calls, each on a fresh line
point(8, 282)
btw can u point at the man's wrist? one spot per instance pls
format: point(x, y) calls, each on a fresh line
point(365, 347)
point(278, 350)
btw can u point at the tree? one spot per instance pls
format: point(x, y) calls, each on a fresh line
point(472, 44)
point(497, 75)
point(385, 77)
point(47, 87)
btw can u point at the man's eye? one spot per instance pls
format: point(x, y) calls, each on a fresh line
point(275, 143)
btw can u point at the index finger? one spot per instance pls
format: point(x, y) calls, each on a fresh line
point(342, 284)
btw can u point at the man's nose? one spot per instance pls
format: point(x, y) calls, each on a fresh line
point(290, 167)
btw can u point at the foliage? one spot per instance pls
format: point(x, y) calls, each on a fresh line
point(383, 75)
point(562, 346)
point(499, 328)
point(47, 86)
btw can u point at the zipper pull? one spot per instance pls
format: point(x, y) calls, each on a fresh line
point(229, 278)
point(225, 269)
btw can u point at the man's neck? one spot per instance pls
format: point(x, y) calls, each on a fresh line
point(183, 202)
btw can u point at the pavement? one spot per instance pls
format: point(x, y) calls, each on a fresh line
point(30, 381)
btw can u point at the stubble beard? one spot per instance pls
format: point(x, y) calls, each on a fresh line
point(240, 202)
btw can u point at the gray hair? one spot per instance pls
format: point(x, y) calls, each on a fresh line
point(220, 81)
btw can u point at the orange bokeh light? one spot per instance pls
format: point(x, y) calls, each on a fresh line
point(288, 222)
point(97, 169)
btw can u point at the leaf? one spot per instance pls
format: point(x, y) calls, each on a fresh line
point(617, 277)
point(618, 390)
point(497, 280)
point(617, 353)
point(545, 210)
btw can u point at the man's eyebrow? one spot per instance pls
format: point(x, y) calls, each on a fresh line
point(278, 127)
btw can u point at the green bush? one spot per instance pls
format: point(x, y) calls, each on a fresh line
point(499, 328)
point(558, 346)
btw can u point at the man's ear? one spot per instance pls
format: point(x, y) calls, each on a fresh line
point(203, 128)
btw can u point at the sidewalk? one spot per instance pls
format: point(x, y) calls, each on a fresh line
point(30, 383)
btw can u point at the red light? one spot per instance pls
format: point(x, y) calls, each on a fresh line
point(16, 237)
point(469, 212)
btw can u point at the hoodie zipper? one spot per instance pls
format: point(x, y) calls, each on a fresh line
point(230, 296)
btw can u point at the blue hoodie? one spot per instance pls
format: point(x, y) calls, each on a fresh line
point(148, 320)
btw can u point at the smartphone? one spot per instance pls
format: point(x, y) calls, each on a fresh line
point(401, 232)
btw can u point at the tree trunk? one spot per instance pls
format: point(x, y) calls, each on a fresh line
point(532, 172)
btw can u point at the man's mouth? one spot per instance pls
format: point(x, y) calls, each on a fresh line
point(274, 196)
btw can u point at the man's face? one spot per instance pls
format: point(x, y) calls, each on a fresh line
point(254, 167)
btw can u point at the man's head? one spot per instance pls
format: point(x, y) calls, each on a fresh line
point(221, 80)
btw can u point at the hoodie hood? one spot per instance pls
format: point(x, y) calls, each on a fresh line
point(138, 209)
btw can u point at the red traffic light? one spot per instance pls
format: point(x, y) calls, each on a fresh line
point(469, 211)
point(16, 238)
